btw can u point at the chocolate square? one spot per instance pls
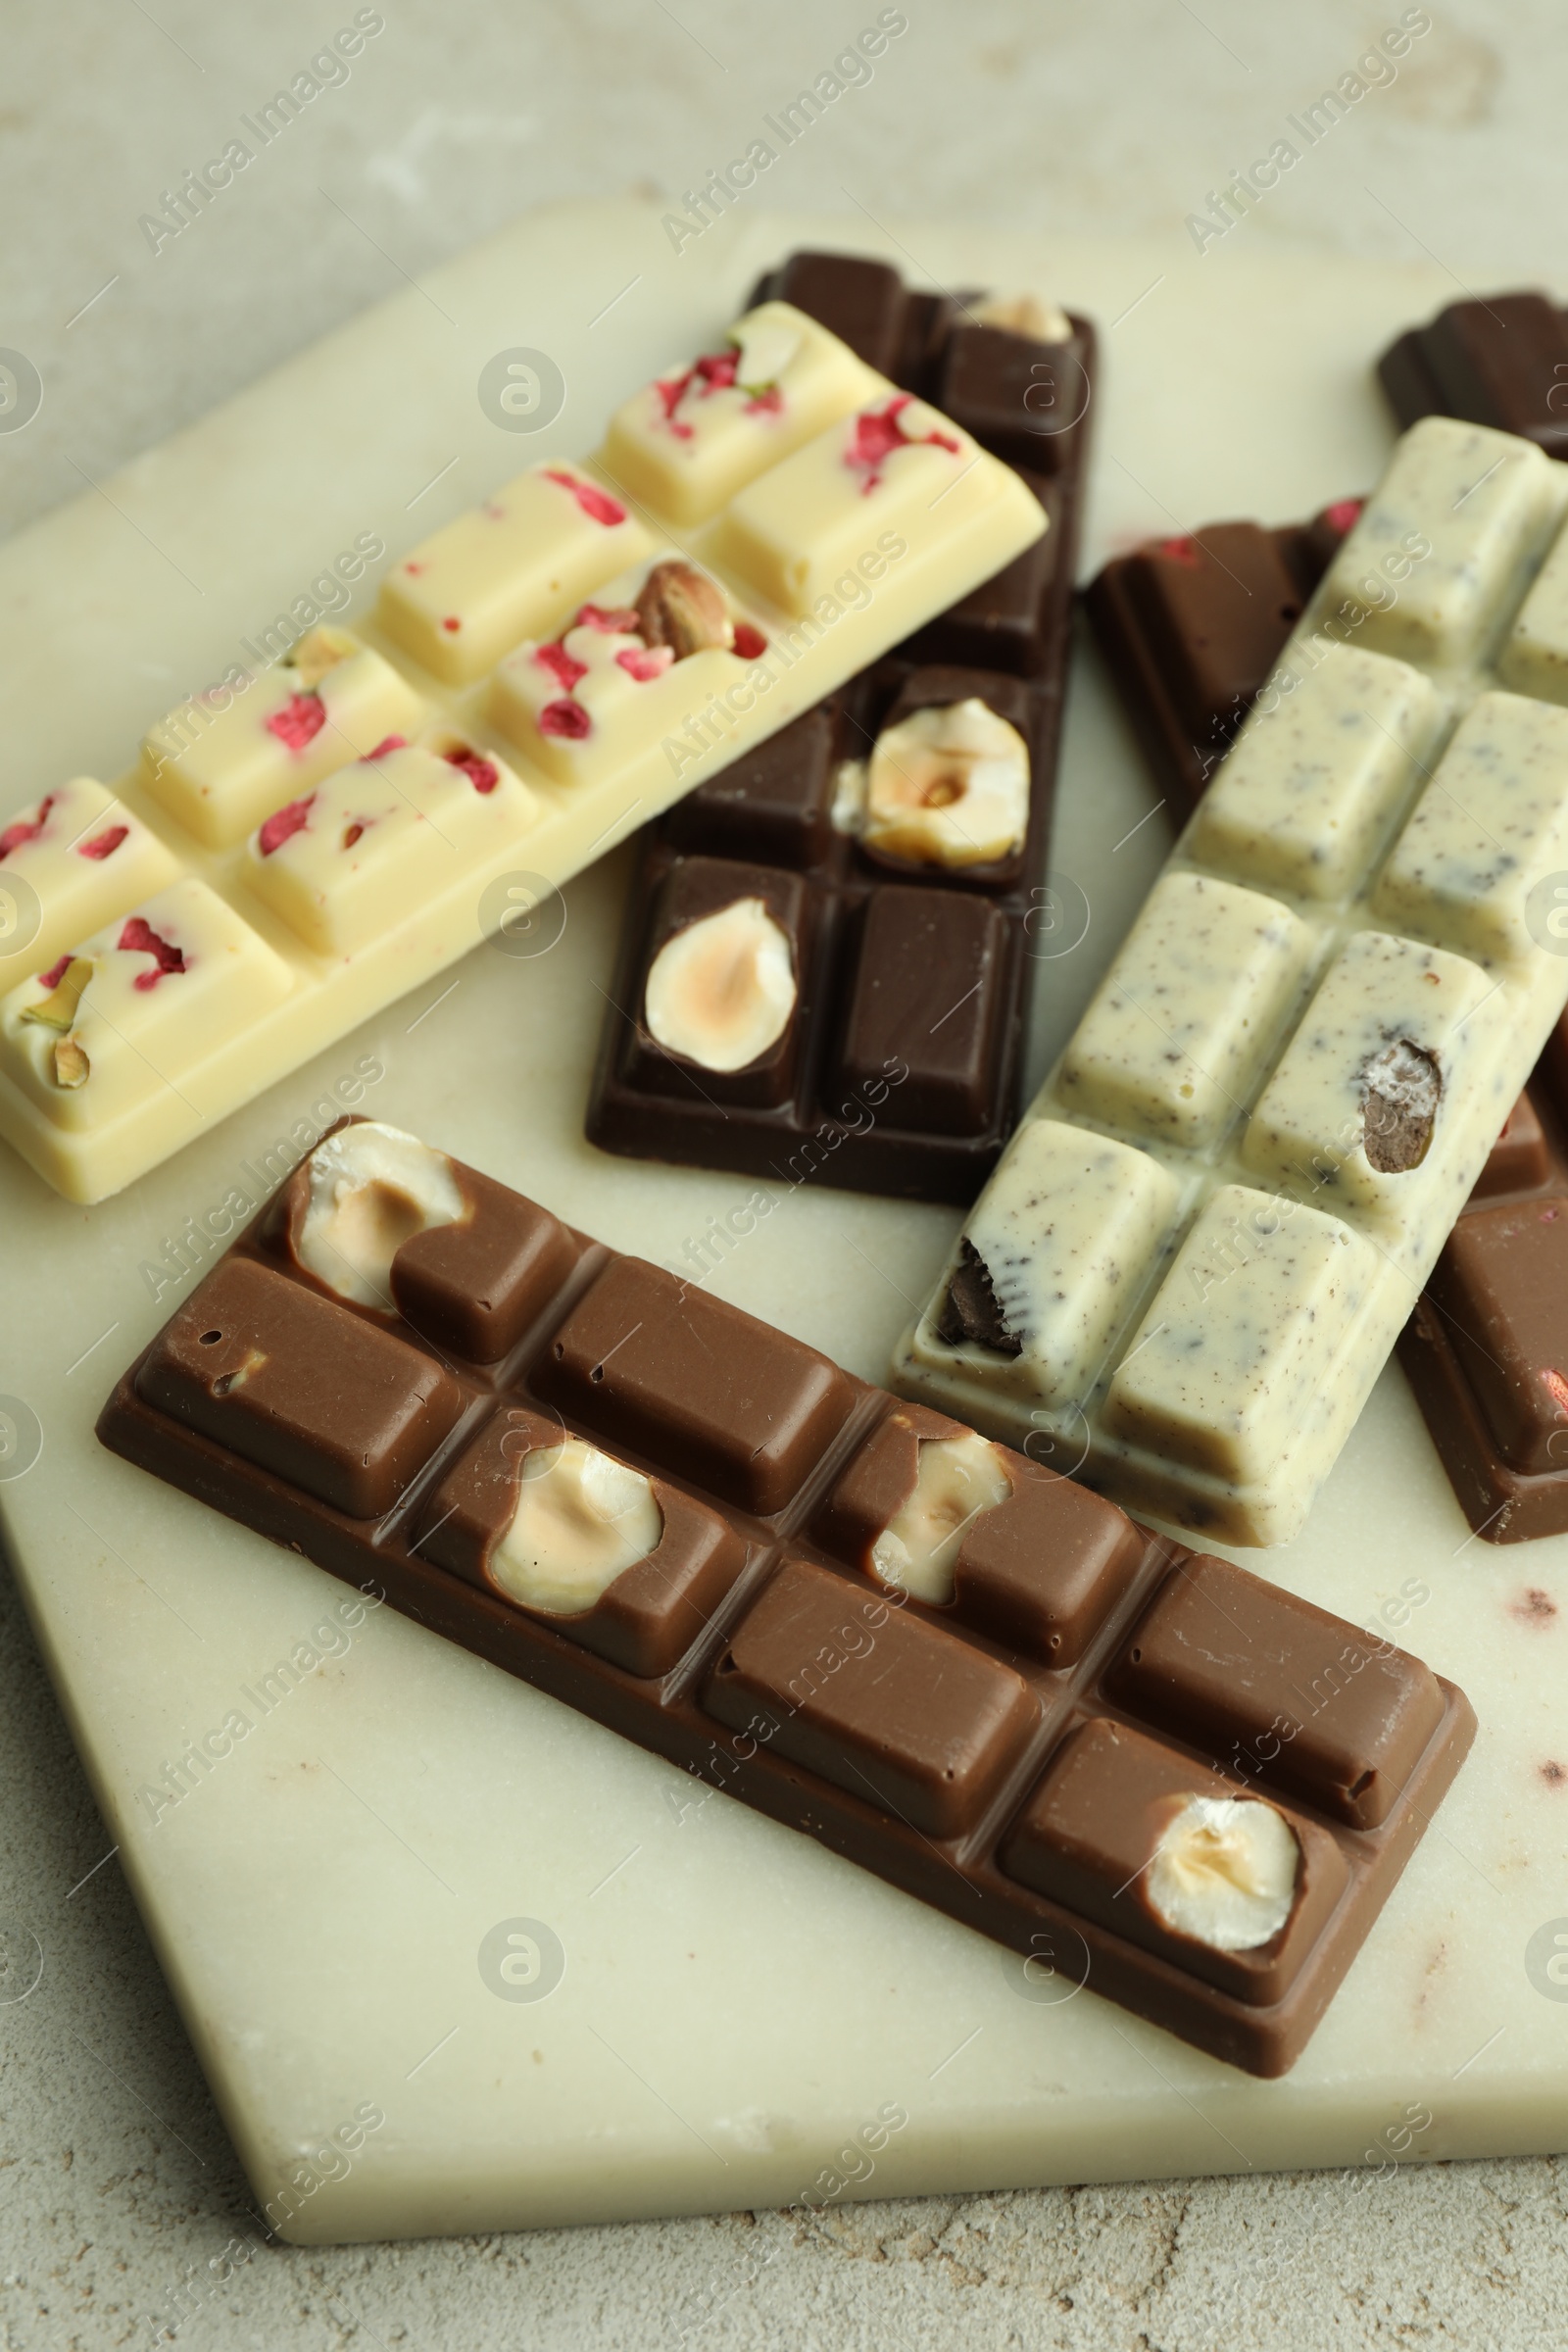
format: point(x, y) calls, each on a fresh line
point(930, 983)
point(693, 889)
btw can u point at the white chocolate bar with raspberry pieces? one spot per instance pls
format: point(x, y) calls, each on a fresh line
point(607, 713)
point(1314, 1033)
point(222, 761)
point(361, 853)
point(70, 860)
point(505, 570)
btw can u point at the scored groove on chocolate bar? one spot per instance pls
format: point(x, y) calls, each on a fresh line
point(913, 1656)
point(1502, 360)
point(1200, 1245)
point(315, 835)
point(866, 880)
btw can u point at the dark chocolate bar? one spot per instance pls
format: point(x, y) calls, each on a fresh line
point(1500, 361)
point(1191, 627)
point(941, 1660)
point(899, 1067)
point(1486, 1347)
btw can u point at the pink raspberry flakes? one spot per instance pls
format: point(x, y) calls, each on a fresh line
point(138, 938)
point(645, 662)
point(18, 836)
point(563, 666)
point(52, 978)
point(284, 823)
point(299, 722)
point(766, 403)
point(565, 718)
point(1344, 512)
point(878, 432)
point(452, 624)
point(750, 643)
point(483, 774)
point(103, 845)
point(1179, 550)
point(596, 504)
point(388, 743)
point(615, 621)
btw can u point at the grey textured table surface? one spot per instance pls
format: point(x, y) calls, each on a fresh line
point(116, 2186)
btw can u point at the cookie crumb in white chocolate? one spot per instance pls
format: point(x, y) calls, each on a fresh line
point(371, 1188)
point(1225, 1873)
point(949, 786)
point(722, 990)
point(581, 1520)
point(957, 1479)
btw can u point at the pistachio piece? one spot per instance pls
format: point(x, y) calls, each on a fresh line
point(949, 786)
point(1024, 315)
point(71, 1066)
point(680, 606)
point(317, 653)
point(766, 348)
point(59, 1010)
point(722, 990)
point(1225, 1873)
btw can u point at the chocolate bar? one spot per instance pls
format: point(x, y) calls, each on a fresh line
point(327, 828)
point(1487, 1349)
point(1202, 1244)
point(1502, 360)
point(826, 966)
point(944, 1661)
point(1191, 628)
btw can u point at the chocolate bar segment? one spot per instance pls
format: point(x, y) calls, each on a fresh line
point(860, 1617)
point(1191, 627)
point(1502, 360)
point(915, 809)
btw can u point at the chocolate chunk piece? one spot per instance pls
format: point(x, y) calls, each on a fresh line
point(1400, 1090)
point(892, 1708)
point(930, 988)
point(773, 806)
point(691, 1382)
point(298, 1385)
point(1502, 1286)
point(1024, 399)
point(1502, 360)
point(1256, 1676)
point(970, 1314)
point(1110, 1799)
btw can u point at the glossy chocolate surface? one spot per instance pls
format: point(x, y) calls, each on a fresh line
point(958, 1749)
point(1500, 361)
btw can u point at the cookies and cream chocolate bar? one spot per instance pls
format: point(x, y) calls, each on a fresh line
point(1201, 1244)
point(1150, 1770)
point(299, 845)
point(825, 970)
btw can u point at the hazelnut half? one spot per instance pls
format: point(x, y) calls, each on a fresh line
point(722, 990)
point(1225, 1873)
point(581, 1519)
point(949, 786)
point(681, 606)
point(1024, 315)
point(955, 1479)
point(371, 1188)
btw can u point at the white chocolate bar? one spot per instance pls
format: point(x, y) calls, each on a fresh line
point(326, 924)
point(1191, 1263)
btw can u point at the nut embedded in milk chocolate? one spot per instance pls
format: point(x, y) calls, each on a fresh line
point(952, 1666)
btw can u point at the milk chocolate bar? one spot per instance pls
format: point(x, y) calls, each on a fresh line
point(1151, 1769)
point(1487, 1349)
point(825, 966)
point(1204, 1238)
point(1192, 627)
point(1500, 361)
point(322, 830)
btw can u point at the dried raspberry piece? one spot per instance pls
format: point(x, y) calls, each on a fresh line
point(1344, 512)
point(615, 621)
point(483, 774)
point(452, 624)
point(766, 403)
point(1179, 550)
point(596, 504)
point(18, 836)
point(352, 835)
point(284, 823)
point(566, 718)
point(749, 642)
point(645, 662)
point(103, 845)
point(388, 743)
point(300, 721)
point(138, 938)
point(563, 666)
point(56, 972)
point(878, 432)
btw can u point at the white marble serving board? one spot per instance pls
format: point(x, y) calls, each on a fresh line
point(732, 2006)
